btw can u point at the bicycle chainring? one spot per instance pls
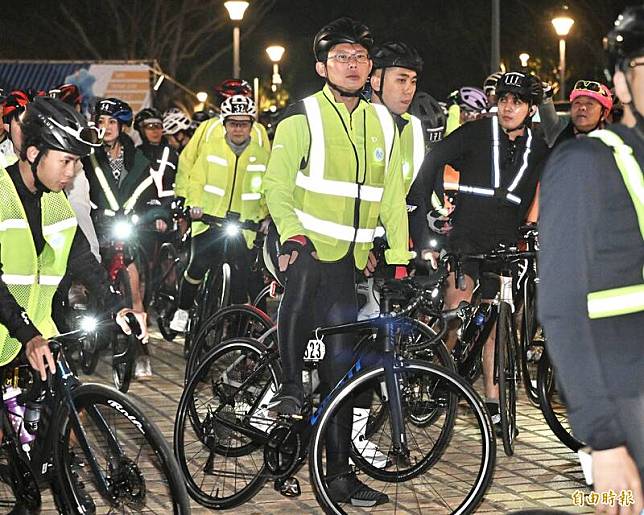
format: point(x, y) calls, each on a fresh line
point(282, 451)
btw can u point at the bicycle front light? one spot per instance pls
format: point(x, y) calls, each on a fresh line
point(122, 230)
point(232, 229)
point(88, 324)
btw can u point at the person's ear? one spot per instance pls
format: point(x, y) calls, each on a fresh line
point(621, 87)
point(32, 153)
point(375, 82)
point(320, 68)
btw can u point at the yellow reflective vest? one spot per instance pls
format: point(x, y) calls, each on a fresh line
point(625, 299)
point(332, 174)
point(221, 181)
point(206, 133)
point(32, 279)
point(412, 149)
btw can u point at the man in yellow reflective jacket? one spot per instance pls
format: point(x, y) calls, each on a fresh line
point(335, 170)
point(226, 177)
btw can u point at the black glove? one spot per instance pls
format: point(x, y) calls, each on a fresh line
point(299, 243)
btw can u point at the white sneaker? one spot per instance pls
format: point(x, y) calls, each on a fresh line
point(366, 448)
point(180, 320)
point(143, 369)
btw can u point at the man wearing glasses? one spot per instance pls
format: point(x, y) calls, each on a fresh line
point(226, 177)
point(591, 290)
point(590, 106)
point(335, 169)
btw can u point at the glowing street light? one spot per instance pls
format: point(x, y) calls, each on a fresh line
point(236, 9)
point(524, 58)
point(562, 24)
point(202, 96)
point(275, 54)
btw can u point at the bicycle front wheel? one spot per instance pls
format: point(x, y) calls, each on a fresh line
point(123, 346)
point(134, 461)
point(506, 373)
point(443, 471)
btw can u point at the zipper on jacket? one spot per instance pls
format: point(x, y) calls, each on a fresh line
point(230, 202)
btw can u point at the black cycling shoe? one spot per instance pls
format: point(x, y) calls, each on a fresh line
point(347, 488)
point(288, 400)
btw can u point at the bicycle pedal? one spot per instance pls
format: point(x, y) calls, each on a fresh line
point(288, 487)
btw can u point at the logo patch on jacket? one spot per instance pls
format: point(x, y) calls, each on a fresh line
point(379, 154)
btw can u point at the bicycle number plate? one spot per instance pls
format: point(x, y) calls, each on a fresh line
point(315, 350)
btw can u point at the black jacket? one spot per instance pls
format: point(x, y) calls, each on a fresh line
point(590, 241)
point(484, 221)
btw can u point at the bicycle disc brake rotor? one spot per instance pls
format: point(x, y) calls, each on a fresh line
point(282, 450)
point(127, 482)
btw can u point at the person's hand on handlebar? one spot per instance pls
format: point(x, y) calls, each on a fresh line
point(39, 356)
point(264, 225)
point(196, 213)
point(372, 263)
point(291, 248)
point(141, 318)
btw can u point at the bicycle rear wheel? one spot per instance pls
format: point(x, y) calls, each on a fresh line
point(506, 374)
point(553, 405)
point(133, 458)
point(449, 464)
point(225, 398)
point(532, 342)
point(123, 347)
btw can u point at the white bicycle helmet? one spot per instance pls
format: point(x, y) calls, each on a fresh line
point(238, 105)
point(175, 120)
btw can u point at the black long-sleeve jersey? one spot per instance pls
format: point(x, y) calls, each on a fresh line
point(486, 213)
point(81, 265)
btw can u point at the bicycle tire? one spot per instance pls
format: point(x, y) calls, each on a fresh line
point(133, 429)
point(89, 353)
point(529, 327)
point(167, 293)
point(228, 322)
point(205, 435)
point(483, 429)
point(123, 346)
point(506, 373)
point(546, 390)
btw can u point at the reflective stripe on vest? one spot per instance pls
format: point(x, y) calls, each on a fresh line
point(419, 145)
point(209, 188)
point(338, 231)
point(626, 299)
point(496, 169)
point(157, 175)
point(222, 161)
point(131, 202)
point(629, 168)
point(105, 186)
point(14, 223)
point(28, 280)
point(315, 180)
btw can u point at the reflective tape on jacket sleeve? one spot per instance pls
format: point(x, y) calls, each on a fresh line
point(334, 230)
point(615, 302)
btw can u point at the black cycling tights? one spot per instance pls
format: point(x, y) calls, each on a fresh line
point(207, 251)
point(320, 294)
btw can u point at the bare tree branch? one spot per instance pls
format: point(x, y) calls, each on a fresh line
point(80, 31)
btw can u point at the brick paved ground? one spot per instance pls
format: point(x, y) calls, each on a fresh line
point(542, 473)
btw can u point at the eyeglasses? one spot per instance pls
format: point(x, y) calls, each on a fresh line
point(153, 125)
point(91, 135)
point(635, 64)
point(591, 85)
point(346, 58)
point(238, 125)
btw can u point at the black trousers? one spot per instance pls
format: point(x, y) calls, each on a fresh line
point(208, 251)
point(320, 294)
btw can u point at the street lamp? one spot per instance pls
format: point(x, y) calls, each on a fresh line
point(202, 96)
point(275, 54)
point(562, 24)
point(524, 58)
point(236, 9)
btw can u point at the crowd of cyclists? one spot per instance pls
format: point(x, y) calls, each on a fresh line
point(367, 158)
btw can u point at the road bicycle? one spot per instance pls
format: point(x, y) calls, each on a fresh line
point(422, 417)
point(92, 444)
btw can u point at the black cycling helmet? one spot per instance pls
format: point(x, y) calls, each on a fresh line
point(342, 30)
point(428, 110)
point(396, 53)
point(51, 124)
point(148, 114)
point(114, 108)
point(526, 87)
point(626, 40)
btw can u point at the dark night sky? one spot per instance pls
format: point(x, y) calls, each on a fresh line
point(453, 36)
